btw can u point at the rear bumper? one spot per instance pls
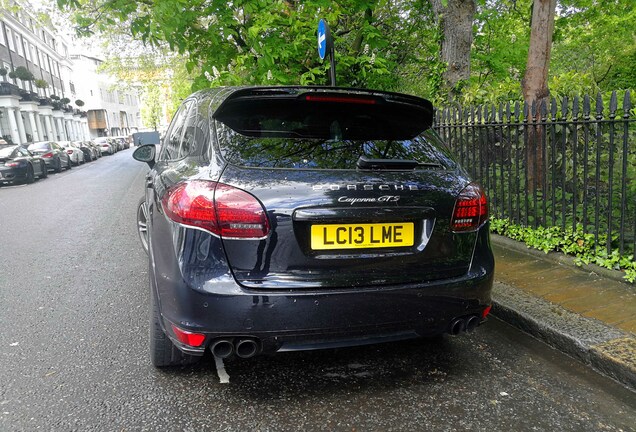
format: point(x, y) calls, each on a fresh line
point(8, 175)
point(290, 322)
point(317, 318)
point(50, 163)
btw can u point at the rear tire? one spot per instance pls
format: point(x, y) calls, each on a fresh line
point(70, 164)
point(30, 177)
point(45, 171)
point(58, 168)
point(163, 353)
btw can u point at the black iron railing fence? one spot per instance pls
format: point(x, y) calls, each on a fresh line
point(572, 165)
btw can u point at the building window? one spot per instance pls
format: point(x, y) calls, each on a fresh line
point(72, 87)
point(2, 41)
point(18, 44)
point(7, 66)
point(34, 55)
point(10, 39)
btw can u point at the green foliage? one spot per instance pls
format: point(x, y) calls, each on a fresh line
point(79, 103)
point(65, 101)
point(42, 84)
point(3, 72)
point(597, 39)
point(151, 110)
point(272, 42)
point(391, 45)
point(24, 74)
point(584, 247)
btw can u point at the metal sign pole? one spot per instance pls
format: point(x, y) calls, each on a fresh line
point(332, 62)
point(325, 46)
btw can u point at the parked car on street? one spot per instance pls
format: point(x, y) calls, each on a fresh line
point(75, 153)
point(17, 164)
point(53, 154)
point(122, 141)
point(104, 145)
point(96, 151)
point(115, 143)
point(88, 154)
point(296, 218)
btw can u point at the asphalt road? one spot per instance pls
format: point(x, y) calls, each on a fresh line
point(73, 346)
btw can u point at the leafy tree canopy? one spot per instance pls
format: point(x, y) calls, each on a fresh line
point(386, 44)
point(257, 42)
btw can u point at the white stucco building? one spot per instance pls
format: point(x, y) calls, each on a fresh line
point(44, 107)
point(112, 109)
point(29, 113)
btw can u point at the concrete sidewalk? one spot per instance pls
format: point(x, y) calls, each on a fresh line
point(590, 316)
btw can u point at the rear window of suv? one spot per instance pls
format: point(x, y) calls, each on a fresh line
point(328, 133)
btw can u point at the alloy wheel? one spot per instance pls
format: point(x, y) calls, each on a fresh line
point(142, 224)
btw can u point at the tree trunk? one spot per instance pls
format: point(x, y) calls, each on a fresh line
point(456, 23)
point(535, 88)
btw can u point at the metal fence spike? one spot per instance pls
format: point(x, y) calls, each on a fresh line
point(553, 108)
point(565, 109)
point(575, 108)
point(599, 106)
point(533, 108)
point(544, 110)
point(586, 107)
point(613, 104)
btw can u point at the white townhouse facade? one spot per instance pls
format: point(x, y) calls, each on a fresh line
point(111, 109)
point(44, 106)
point(30, 112)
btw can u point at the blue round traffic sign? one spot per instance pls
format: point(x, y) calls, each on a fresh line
point(322, 39)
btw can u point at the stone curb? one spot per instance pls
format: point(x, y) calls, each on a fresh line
point(558, 257)
point(608, 350)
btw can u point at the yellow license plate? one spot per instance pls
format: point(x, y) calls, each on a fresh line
point(355, 236)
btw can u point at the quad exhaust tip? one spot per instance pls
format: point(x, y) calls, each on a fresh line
point(463, 324)
point(243, 348)
point(222, 348)
point(246, 348)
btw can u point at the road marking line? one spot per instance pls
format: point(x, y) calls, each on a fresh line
point(224, 378)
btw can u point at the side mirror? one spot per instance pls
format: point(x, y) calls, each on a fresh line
point(145, 153)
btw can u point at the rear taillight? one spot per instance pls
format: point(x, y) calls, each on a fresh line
point(218, 208)
point(69, 152)
point(188, 338)
point(48, 155)
point(471, 209)
point(12, 164)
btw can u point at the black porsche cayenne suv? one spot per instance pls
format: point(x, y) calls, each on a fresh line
point(295, 218)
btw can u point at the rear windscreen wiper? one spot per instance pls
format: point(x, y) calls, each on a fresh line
point(365, 163)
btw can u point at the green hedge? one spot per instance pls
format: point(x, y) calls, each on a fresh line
point(584, 247)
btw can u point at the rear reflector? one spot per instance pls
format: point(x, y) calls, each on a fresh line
point(188, 338)
point(217, 208)
point(341, 99)
point(486, 311)
point(471, 209)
